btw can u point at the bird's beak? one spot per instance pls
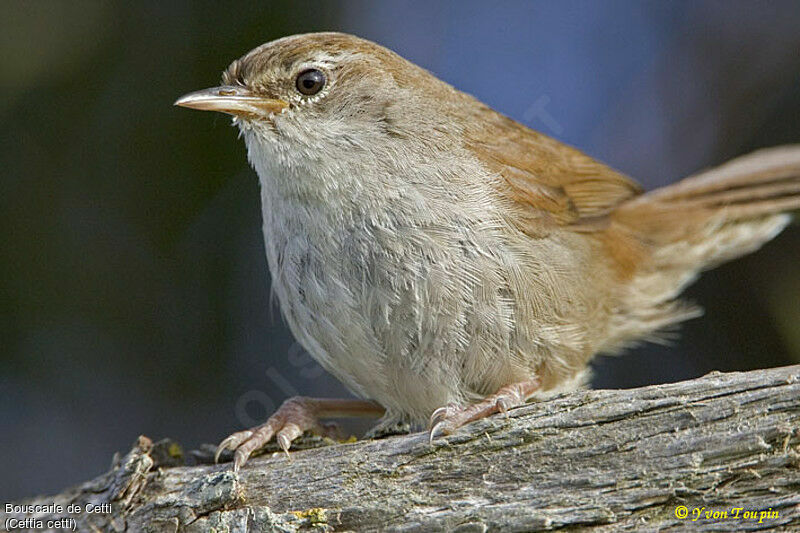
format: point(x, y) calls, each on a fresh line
point(232, 100)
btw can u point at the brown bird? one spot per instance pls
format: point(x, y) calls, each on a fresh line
point(445, 262)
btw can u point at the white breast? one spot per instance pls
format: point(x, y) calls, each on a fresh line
point(407, 295)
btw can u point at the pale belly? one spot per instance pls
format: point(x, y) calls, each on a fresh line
point(414, 305)
point(413, 323)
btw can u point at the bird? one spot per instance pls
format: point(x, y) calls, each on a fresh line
point(446, 262)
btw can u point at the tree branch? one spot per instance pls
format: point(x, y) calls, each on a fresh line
point(605, 459)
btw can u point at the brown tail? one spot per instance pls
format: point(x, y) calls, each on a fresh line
point(721, 213)
point(700, 222)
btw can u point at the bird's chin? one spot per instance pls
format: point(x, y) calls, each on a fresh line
point(262, 140)
point(263, 127)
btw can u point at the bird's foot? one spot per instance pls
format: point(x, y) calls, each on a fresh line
point(445, 420)
point(293, 418)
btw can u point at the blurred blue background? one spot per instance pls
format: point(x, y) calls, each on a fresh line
point(134, 294)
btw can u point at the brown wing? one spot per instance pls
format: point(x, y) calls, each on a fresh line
point(545, 174)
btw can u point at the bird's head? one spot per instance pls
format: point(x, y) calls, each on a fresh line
point(324, 93)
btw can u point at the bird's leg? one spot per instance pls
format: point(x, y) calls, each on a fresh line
point(295, 416)
point(447, 419)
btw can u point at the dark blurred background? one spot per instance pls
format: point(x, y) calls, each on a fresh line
point(134, 294)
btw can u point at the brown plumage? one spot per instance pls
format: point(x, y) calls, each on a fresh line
point(444, 261)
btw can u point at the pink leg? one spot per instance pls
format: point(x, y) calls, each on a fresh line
point(295, 416)
point(447, 419)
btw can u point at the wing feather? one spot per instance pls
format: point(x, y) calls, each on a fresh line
point(545, 174)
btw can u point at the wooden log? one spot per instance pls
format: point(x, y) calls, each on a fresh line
point(720, 453)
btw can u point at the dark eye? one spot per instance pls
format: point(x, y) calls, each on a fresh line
point(310, 81)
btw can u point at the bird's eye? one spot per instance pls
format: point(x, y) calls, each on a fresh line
point(310, 81)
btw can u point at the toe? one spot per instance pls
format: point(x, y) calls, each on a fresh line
point(232, 442)
point(503, 405)
point(245, 449)
point(294, 417)
point(244, 443)
point(287, 434)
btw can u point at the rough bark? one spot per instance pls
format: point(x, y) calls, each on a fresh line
point(603, 460)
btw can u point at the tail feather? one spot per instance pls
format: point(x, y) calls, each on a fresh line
point(698, 223)
point(761, 183)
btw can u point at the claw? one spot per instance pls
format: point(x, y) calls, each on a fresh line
point(445, 420)
point(437, 416)
point(232, 442)
point(503, 405)
point(439, 430)
point(441, 414)
point(439, 422)
point(239, 459)
point(284, 443)
point(221, 448)
point(293, 417)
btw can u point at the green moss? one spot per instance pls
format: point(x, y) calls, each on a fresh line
point(315, 515)
point(174, 450)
